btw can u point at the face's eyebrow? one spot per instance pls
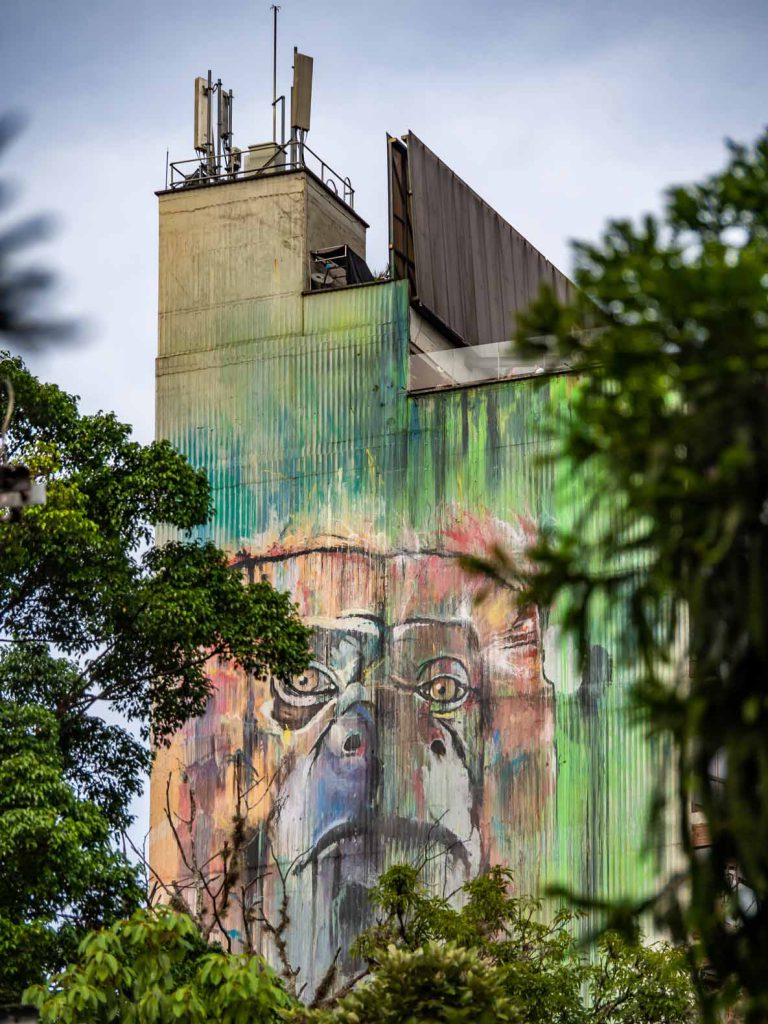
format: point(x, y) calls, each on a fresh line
point(463, 627)
point(440, 657)
point(418, 620)
point(354, 622)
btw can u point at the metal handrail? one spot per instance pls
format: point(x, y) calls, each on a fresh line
point(288, 156)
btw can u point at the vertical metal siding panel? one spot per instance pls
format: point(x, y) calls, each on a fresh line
point(442, 268)
point(500, 320)
point(442, 274)
point(507, 287)
point(455, 255)
point(480, 331)
point(421, 234)
point(467, 296)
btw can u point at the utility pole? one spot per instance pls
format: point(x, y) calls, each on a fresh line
point(274, 8)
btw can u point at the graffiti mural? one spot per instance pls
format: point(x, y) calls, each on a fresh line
point(422, 732)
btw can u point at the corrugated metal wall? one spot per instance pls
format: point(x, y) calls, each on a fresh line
point(429, 728)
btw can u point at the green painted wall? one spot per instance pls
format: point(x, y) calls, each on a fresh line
point(331, 478)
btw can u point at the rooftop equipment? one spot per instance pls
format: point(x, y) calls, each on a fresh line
point(301, 103)
point(219, 161)
point(301, 91)
point(337, 267)
point(212, 153)
point(202, 115)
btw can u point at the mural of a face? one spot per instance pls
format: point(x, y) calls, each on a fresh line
point(422, 732)
point(402, 740)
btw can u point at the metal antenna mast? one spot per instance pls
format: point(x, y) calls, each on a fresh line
point(274, 8)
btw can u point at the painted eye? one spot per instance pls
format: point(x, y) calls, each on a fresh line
point(444, 688)
point(314, 686)
point(310, 682)
point(443, 682)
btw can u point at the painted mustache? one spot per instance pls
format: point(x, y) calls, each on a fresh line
point(379, 830)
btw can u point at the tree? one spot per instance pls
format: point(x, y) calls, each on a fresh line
point(155, 967)
point(670, 419)
point(59, 873)
point(491, 961)
point(437, 983)
point(96, 616)
point(537, 965)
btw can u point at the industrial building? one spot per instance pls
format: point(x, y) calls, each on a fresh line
point(360, 434)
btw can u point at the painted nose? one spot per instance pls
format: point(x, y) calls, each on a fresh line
point(352, 743)
point(343, 779)
point(353, 694)
point(351, 734)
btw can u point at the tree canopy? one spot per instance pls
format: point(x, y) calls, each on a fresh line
point(494, 960)
point(104, 639)
point(155, 967)
point(536, 962)
point(93, 615)
point(59, 873)
point(668, 425)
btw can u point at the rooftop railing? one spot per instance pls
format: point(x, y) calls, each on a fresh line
point(212, 169)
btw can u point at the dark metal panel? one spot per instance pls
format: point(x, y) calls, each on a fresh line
point(452, 243)
point(429, 236)
point(507, 264)
point(494, 253)
point(400, 227)
point(472, 270)
point(475, 261)
point(469, 292)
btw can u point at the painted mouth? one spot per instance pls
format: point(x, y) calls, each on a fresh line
point(422, 833)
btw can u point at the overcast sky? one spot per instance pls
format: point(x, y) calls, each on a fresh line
point(560, 114)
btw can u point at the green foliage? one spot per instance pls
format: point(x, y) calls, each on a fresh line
point(492, 960)
point(411, 916)
point(103, 763)
point(437, 982)
point(97, 615)
point(92, 616)
point(538, 967)
point(669, 420)
point(59, 875)
point(635, 984)
point(155, 968)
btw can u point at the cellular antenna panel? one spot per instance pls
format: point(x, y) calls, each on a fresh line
point(301, 93)
point(202, 135)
